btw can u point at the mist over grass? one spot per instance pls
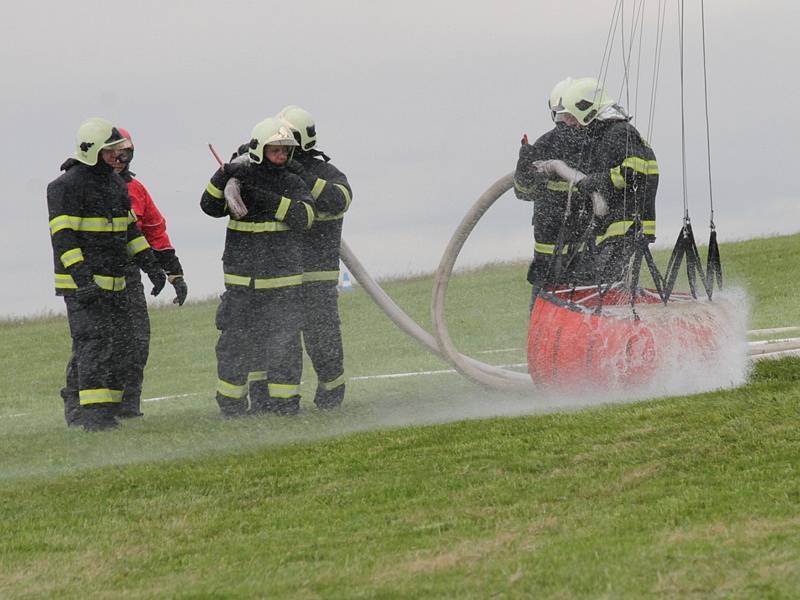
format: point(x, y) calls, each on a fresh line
point(422, 484)
point(487, 311)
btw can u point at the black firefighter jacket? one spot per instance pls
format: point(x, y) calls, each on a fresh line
point(92, 229)
point(332, 195)
point(623, 168)
point(560, 219)
point(263, 249)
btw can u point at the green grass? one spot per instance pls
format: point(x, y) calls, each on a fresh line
point(678, 497)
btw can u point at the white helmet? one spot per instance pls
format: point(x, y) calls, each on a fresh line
point(583, 98)
point(272, 132)
point(93, 135)
point(556, 100)
point(302, 123)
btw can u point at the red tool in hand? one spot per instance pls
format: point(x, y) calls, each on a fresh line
point(232, 192)
point(214, 152)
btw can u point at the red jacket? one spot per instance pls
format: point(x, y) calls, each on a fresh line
point(148, 217)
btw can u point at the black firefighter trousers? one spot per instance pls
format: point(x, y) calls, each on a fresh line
point(322, 337)
point(258, 331)
point(100, 332)
point(139, 347)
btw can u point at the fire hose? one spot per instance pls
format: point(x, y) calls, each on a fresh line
point(440, 343)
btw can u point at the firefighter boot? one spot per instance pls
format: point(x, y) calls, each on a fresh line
point(285, 406)
point(327, 399)
point(98, 417)
point(129, 407)
point(232, 408)
point(72, 408)
point(260, 402)
point(275, 406)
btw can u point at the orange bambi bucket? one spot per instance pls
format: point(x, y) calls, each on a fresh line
point(573, 346)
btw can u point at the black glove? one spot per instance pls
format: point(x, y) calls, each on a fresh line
point(181, 289)
point(86, 294)
point(158, 278)
point(259, 200)
point(295, 167)
point(234, 169)
point(169, 261)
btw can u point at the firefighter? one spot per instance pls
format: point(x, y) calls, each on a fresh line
point(332, 195)
point(561, 214)
point(618, 171)
point(260, 311)
point(94, 233)
point(154, 228)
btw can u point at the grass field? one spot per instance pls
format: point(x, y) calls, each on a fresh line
point(398, 494)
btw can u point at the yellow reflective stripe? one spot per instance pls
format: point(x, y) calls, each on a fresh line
point(641, 165)
point(100, 224)
point(542, 248)
point(556, 185)
point(617, 179)
point(282, 390)
point(321, 275)
point(131, 217)
point(63, 222)
point(215, 191)
point(521, 188)
point(617, 228)
point(91, 224)
point(283, 208)
point(257, 227)
point(111, 284)
point(231, 390)
point(256, 376)
point(332, 385)
point(319, 185)
point(263, 284)
point(70, 257)
point(277, 282)
point(99, 395)
point(309, 215)
point(548, 248)
point(237, 279)
point(328, 217)
point(346, 193)
point(622, 227)
point(136, 245)
point(65, 282)
point(104, 282)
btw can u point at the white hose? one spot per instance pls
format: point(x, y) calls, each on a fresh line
point(440, 343)
point(395, 313)
point(500, 379)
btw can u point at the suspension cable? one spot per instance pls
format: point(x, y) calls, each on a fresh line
point(708, 127)
point(638, 60)
point(683, 115)
point(612, 34)
point(627, 59)
point(662, 7)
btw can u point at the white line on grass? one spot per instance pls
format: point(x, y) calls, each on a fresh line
point(777, 354)
point(773, 330)
point(160, 398)
point(773, 341)
point(418, 373)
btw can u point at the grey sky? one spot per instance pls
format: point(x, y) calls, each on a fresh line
point(421, 104)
